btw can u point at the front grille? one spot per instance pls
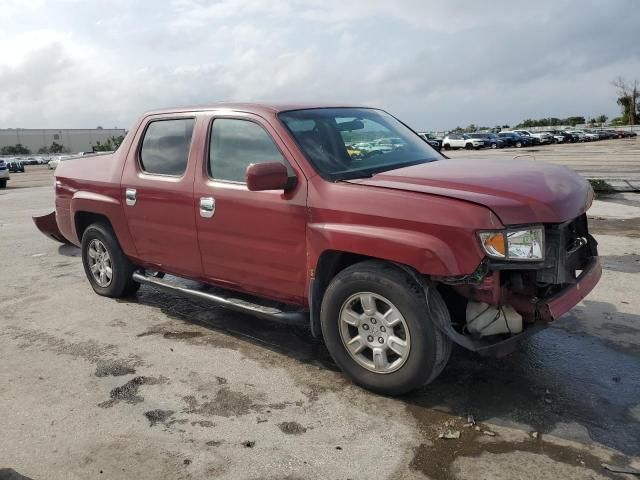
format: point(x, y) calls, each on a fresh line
point(568, 249)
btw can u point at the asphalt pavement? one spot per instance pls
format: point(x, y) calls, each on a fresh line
point(158, 386)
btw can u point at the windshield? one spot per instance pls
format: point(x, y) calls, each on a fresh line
point(344, 143)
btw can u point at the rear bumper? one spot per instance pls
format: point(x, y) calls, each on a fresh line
point(563, 301)
point(48, 225)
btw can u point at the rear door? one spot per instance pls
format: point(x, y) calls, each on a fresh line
point(157, 185)
point(250, 241)
point(457, 141)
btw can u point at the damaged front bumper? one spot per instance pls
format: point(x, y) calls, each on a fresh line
point(539, 311)
point(48, 225)
point(560, 303)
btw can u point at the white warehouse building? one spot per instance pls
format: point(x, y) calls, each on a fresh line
point(73, 140)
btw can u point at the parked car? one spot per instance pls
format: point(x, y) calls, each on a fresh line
point(4, 174)
point(461, 140)
point(491, 140)
point(605, 134)
point(625, 133)
point(54, 162)
point(591, 136)
point(559, 136)
point(15, 166)
point(512, 139)
point(389, 258)
point(537, 137)
point(568, 136)
point(580, 134)
point(431, 140)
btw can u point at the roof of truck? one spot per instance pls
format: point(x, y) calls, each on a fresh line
point(257, 107)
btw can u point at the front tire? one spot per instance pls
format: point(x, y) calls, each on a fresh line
point(518, 144)
point(380, 331)
point(469, 146)
point(107, 268)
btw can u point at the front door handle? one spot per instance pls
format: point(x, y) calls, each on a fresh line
point(130, 195)
point(207, 207)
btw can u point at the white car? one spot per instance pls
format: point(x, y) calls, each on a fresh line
point(592, 136)
point(461, 140)
point(586, 136)
point(4, 174)
point(559, 138)
point(582, 137)
point(543, 137)
point(53, 163)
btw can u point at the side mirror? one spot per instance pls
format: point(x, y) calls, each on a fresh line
point(267, 176)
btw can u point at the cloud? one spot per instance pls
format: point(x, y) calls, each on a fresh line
point(434, 64)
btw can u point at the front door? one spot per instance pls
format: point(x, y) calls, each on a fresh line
point(250, 241)
point(157, 185)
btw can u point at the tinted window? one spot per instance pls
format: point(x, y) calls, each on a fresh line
point(165, 148)
point(344, 143)
point(236, 144)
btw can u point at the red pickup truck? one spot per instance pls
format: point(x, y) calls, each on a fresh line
point(339, 218)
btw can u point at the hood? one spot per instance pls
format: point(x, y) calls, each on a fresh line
point(517, 191)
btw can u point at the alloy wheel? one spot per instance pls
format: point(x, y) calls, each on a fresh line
point(100, 263)
point(374, 332)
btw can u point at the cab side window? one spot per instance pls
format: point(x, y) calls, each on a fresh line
point(165, 147)
point(235, 144)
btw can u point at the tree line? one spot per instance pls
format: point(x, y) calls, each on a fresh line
point(628, 100)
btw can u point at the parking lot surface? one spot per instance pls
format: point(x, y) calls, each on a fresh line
point(615, 160)
point(158, 386)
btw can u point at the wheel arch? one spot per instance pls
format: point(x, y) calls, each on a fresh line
point(89, 207)
point(330, 263)
point(83, 219)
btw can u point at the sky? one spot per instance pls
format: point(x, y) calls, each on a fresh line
point(434, 64)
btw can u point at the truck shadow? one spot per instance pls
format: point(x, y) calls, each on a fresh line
point(561, 382)
point(69, 251)
point(11, 474)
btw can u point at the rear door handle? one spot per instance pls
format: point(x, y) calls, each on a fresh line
point(130, 195)
point(207, 207)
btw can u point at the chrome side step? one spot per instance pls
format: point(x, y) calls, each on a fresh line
point(293, 317)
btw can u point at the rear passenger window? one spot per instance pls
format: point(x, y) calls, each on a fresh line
point(165, 147)
point(235, 144)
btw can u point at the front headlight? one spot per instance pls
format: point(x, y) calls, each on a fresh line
point(518, 244)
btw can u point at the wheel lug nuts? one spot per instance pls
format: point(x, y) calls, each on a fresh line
point(380, 339)
point(382, 329)
point(365, 327)
point(370, 338)
point(373, 320)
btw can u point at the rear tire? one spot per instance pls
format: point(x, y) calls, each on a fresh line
point(447, 146)
point(107, 268)
point(518, 144)
point(374, 290)
point(494, 145)
point(3, 183)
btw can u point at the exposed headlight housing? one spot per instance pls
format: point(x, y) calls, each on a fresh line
point(522, 244)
